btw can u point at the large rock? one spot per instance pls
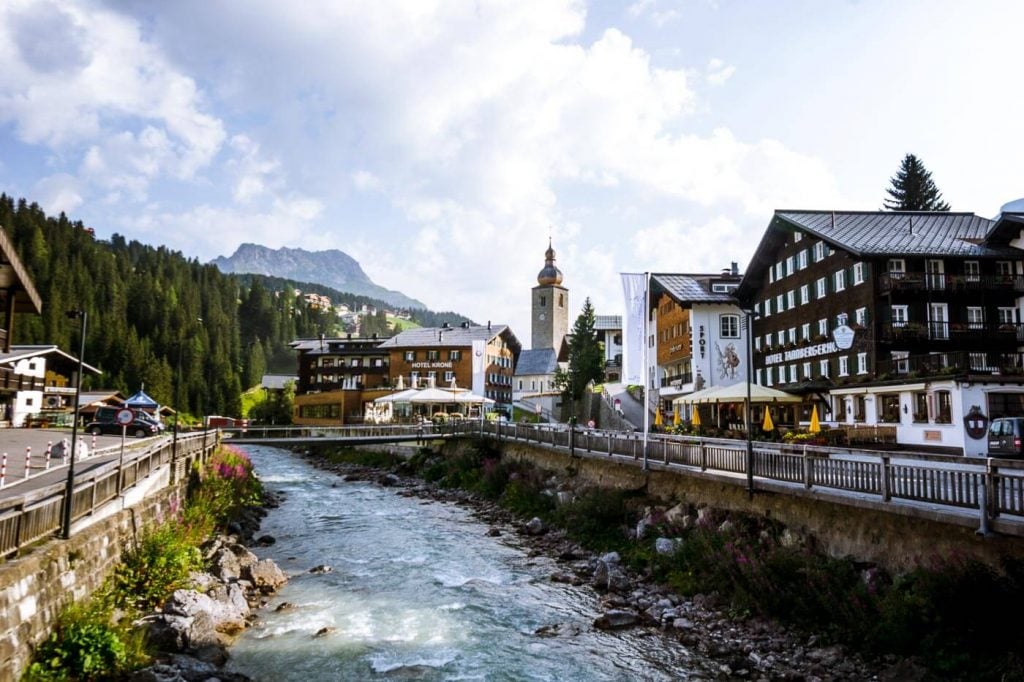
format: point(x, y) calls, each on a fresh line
point(535, 526)
point(226, 613)
point(675, 515)
point(667, 545)
point(608, 574)
point(266, 576)
point(616, 619)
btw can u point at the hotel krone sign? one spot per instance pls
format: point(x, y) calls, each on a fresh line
point(801, 353)
point(431, 365)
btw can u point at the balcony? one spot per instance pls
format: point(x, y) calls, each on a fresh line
point(677, 380)
point(927, 281)
point(957, 362)
point(953, 332)
point(9, 381)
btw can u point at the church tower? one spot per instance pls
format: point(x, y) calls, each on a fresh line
point(550, 306)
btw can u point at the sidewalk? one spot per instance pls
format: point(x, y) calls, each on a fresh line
point(15, 441)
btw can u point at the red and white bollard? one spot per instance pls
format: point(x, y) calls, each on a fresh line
point(64, 459)
point(49, 451)
point(28, 460)
point(93, 443)
point(3, 471)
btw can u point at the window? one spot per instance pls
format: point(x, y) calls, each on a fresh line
point(978, 362)
point(433, 355)
point(1004, 267)
point(859, 410)
point(791, 334)
point(792, 374)
point(797, 236)
point(520, 384)
point(861, 316)
point(935, 273)
point(455, 355)
point(943, 407)
point(410, 356)
point(781, 335)
point(768, 340)
point(840, 407)
point(823, 367)
point(840, 279)
point(844, 366)
point(805, 294)
point(805, 331)
point(801, 259)
point(897, 266)
point(821, 288)
point(899, 361)
point(771, 275)
point(757, 343)
point(899, 315)
point(889, 408)
point(729, 326)
point(862, 363)
point(858, 273)
point(778, 270)
point(1007, 315)
point(780, 303)
point(790, 265)
point(790, 299)
point(543, 301)
point(975, 317)
point(807, 370)
point(823, 327)
point(561, 300)
point(449, 377)
point(920, 414)
point(768, 376)
point(722, 288)
point(767, 307)
point(819, 251)
point(355, 362)
point(972, 271)
point(758, 380)
point(432, 377)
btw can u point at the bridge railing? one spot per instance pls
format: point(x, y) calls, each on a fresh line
point(994, 487)
point(39, 513)
point(251, 433)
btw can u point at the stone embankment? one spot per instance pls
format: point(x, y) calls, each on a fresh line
point(727, 646)
point(196, 626)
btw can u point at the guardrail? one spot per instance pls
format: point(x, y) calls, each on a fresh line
point(991, 486)
point(38, 513)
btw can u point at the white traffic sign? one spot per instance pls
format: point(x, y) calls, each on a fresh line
point(124, 417)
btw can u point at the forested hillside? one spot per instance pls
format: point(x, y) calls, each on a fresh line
point(149, 307)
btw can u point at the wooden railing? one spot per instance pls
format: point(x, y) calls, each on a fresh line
point(38, 513)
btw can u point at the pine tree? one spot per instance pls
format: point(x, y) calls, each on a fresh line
point(913, 189)
point(586, 356)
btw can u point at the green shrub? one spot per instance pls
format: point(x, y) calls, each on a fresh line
point(366, 458)
point(157, 565)
point(598, 519)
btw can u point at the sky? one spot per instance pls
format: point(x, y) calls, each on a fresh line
point(442, 143)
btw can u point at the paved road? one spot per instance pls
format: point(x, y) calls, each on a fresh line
point(15, 441)
point(632, 409)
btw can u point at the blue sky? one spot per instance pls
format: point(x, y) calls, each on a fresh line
point(441, 143)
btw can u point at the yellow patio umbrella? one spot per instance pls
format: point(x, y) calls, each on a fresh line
point(815, 426)
point(695, 419)
point(675, 416)
point(657, 417)
point(768, 424)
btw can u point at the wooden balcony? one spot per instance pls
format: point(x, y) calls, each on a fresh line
point(955, 284)
point(9, 381)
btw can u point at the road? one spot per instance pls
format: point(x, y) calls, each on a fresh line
point(632, 409)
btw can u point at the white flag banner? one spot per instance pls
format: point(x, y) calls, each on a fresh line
point(634, 286)
point(479, 364)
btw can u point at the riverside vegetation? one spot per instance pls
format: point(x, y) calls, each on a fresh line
point(100, 638)
point(933, 622)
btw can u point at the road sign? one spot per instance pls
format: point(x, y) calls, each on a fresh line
point(124, 417)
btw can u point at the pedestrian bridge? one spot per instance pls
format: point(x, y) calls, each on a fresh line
point(986, 493)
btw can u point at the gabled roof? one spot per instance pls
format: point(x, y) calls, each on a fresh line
point(691, 288)
point(141, 399)
point(1007, 227)
point(878, 234)
point(443, 337)
point(538, 361)
point(24, 352)
point(607, 322)
point(277, 382)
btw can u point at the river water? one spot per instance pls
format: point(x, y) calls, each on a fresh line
point(419, 592)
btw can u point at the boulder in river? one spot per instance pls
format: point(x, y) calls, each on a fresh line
point(616, 619)
point(266, 576)
point(535, 526)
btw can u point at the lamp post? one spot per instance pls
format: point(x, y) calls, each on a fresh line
point(69, 488)
point(177, 410)
point(749, 313)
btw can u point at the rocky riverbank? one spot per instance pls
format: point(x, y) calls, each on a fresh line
point(196, 626)
point(735, 647)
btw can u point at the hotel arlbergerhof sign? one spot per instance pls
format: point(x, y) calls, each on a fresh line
point(812, 351)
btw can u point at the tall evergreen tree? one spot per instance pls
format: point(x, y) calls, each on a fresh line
point(586, 356)
point(913, 188)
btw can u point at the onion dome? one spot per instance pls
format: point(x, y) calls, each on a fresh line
point(550, 274)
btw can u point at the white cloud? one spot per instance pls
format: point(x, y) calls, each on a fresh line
point(718, 72)
point(59, 192)
point(365, 181)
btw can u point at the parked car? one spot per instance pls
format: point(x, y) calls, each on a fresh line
point(139, 428)
point(1006, 437)
point(108, 414)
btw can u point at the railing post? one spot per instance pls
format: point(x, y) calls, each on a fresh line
point(808, 471)
point(703, 454)
point(886, 493)
point(983, 528)
point(664, 451)
point(609, 445)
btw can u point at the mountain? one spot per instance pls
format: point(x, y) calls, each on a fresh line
point(332, 268)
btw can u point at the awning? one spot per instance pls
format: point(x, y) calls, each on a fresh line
point(737, 393)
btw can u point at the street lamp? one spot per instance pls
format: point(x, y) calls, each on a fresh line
point(69, 488)
point(749, 313)
point(177, 410)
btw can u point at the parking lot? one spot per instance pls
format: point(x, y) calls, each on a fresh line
point(14, 442)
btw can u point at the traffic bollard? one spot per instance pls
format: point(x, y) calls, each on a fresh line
point(28, 460)
point(3, 471)
point(65, 450)
point(49, 451)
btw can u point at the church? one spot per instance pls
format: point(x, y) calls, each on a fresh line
point(534, 380)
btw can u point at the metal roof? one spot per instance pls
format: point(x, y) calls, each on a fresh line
point(691, 288)
point(19, 352)
point(537, 361)
point(277, 382)
point(899, 233)
point(607, 322)
point(443, 337)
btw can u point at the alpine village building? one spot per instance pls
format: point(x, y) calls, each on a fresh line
point(908, 322)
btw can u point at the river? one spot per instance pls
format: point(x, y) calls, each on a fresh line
point(418, 591)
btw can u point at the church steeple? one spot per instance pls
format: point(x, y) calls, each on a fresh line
point(549, 274)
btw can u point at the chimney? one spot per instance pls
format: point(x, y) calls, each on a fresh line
point(488, 325)
point(735, 268)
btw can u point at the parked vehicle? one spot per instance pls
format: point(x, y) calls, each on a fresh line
point(139, 428)
point(1006, 437)
point(108, 414)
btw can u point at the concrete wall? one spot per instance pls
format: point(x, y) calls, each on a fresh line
point(35, 587)
point(896, 541)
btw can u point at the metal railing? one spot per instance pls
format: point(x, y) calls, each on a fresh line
point(993, 487)
point(38, 513)
point(953, 362)
point(929, 281)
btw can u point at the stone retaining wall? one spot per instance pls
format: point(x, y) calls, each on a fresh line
point(35, 587)
point(867, 532)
